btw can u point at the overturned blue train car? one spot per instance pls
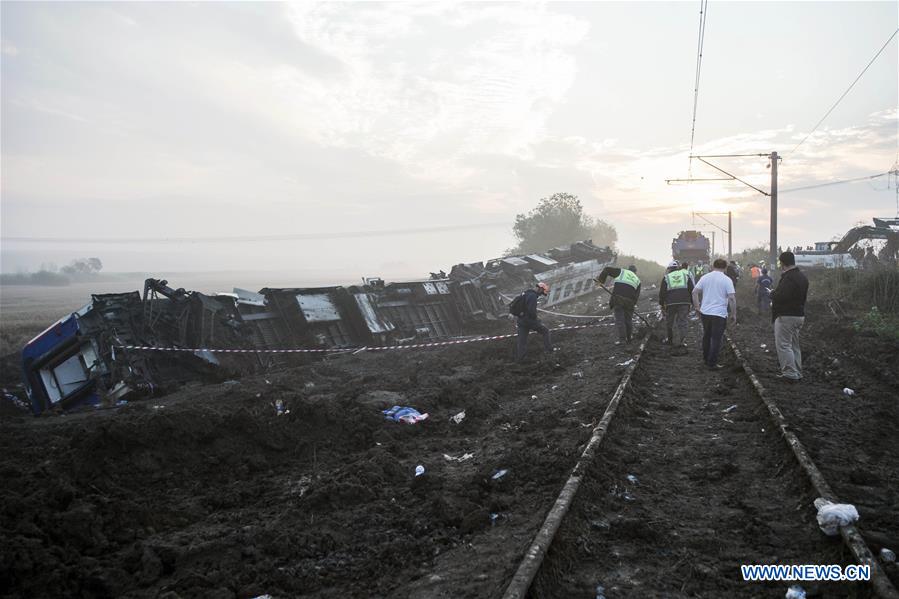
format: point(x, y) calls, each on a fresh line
point(97, 356)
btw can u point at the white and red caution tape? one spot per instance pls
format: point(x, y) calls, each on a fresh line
point(353, 350)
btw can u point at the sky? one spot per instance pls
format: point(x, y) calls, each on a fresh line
point(182, 125)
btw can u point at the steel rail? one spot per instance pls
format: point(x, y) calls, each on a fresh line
point(850, 534)
point(533, 558)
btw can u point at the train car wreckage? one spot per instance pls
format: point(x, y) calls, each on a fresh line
point(90, 357)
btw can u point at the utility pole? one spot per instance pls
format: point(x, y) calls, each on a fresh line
point(730, 236)
point(772, 254)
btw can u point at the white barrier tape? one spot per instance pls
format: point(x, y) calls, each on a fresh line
point(353, 350)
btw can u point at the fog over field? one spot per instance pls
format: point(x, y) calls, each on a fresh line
point(193, 127)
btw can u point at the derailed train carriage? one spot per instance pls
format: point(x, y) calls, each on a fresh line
point(101, 354)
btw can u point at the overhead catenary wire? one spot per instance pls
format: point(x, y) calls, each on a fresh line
point(841, 182)
point(848, 89)
point(703, 13)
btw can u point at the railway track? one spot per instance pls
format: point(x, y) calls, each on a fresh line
point(689, 474)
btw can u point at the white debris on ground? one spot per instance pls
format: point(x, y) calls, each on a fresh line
point(832, 516)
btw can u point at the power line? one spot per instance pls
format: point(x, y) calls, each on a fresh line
point(260, 238)
point(826, 114)
point(703, 13)
point(817, 185)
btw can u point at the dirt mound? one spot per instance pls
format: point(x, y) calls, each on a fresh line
point(209, 492)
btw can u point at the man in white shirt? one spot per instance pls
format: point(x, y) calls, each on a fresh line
point(718, 296)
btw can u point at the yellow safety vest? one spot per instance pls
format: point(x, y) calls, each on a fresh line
point(628, 278)
point(677, 279)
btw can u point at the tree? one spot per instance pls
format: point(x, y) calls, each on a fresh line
point(557, 220)
point(83, 266)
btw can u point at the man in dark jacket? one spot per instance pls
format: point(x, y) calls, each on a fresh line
point(675, 297)
point(788, 315)
point(625, 294)
point(732, 272)
point(529, 321)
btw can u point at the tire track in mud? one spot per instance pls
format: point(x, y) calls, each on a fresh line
point(691, 481)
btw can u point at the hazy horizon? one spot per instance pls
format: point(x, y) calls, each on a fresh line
point(223, 120)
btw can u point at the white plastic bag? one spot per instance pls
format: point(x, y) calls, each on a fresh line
point(831, 516)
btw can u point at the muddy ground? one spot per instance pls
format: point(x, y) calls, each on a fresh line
point(691, 482)
point(209, 493)
point(853, 438)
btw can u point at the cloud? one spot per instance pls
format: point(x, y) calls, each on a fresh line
point(481, 79)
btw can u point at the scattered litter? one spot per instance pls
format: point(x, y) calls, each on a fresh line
point(576, 403)
point(730, 409)
point(578, 375)
point(122, 402)
point(848, 391)
point(600, 524)
point(268, 382)
point(533, 397)
point(626, 363)
point(831, 516)
point(554, 387)
point(763, 346)
point(462, 458)
point(795, 592)
point(230, 383)
point(419, 470)
point(158, 407)
point(600, 592)
point(279, 408)
point(309, 385)
point(499, 474)
point(259, 395)
point(407, 415)
point(458, 418)
point(730, 421)
point(493, 518)
point(887, 555)
point(586, 424)
point(632, 479)
point(266, 596)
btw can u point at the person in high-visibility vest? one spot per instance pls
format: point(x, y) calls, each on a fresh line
point(625, 294)
point(675, 298)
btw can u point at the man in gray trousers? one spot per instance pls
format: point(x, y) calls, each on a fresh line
point(788, 314)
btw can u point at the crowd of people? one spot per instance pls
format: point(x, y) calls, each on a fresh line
point(710, 292)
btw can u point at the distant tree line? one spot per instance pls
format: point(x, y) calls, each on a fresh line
point(80, 269)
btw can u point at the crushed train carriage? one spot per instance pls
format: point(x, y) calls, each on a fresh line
point(98, 355)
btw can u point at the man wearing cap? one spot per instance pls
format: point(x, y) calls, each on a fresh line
point(529, 321)
point(625, 294)
point(675, 297)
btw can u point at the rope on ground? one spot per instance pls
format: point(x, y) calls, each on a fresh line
point(545, 311)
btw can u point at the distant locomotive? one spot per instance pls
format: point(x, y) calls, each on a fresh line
point(691, 246)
